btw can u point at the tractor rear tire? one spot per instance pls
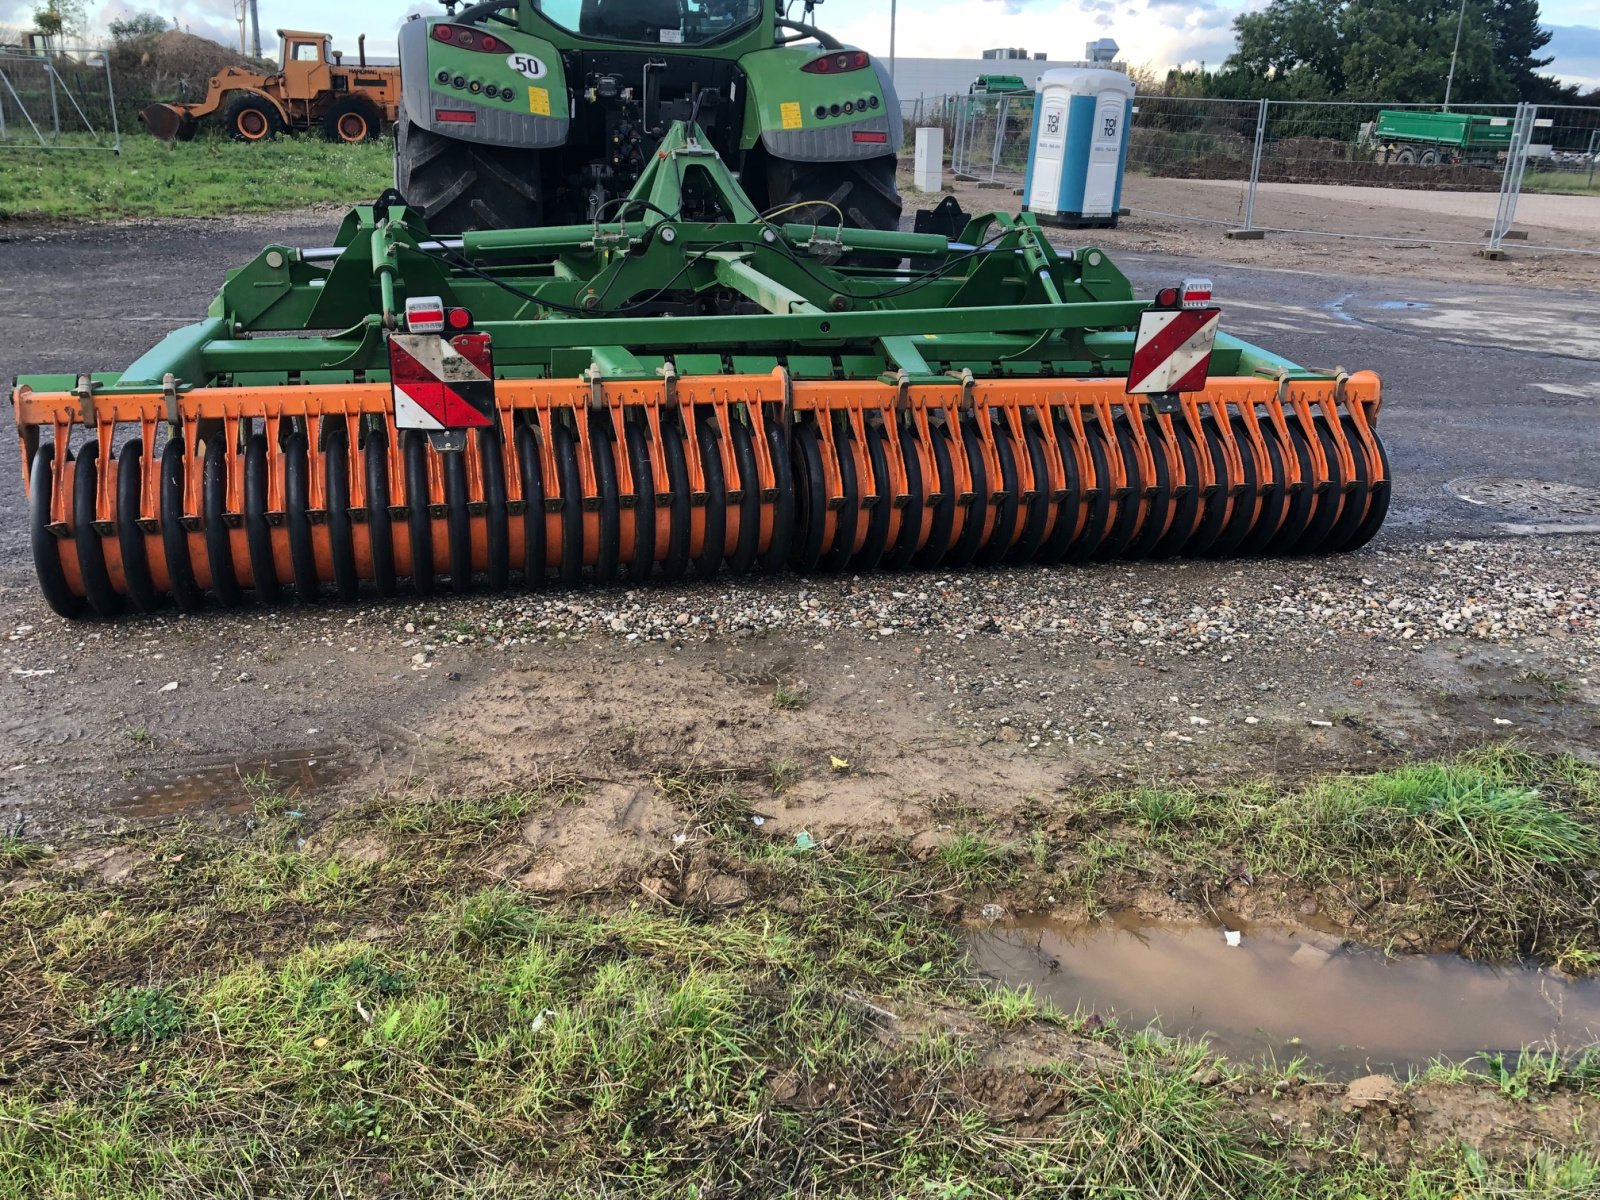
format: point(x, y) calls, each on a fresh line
point(863, 191)
point(352, 120)
point(252, 119)
point(459, 185)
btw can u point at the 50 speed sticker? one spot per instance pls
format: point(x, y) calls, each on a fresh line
point(526, 64)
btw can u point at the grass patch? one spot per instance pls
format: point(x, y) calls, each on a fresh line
point(1562, 183)
point(1489, 850)
point(207, 177)
point(974, 861)
point(14, 852)
point(257, 1016)
point(136, 1015)
point(788, 699)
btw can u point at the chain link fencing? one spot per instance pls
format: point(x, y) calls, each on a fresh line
point(58, 103)
point(1500, 176)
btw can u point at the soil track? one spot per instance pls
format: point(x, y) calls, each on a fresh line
point(1403, 232)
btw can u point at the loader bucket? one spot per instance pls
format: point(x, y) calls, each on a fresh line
point(169, 122)
point(686, 388)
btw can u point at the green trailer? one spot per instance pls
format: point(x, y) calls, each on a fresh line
point(1412, 137)
point(1000, 85)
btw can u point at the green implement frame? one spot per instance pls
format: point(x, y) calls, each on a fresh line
point(618, 299)
point(689, 381)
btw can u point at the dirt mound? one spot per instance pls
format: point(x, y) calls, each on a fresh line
point(176, 65)
point(1277, 168)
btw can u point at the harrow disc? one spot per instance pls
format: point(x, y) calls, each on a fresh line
point(346, 504)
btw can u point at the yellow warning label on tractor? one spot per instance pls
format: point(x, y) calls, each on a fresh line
point(790, 111)
point(539, 101)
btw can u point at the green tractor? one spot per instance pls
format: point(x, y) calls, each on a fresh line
point(521, 113)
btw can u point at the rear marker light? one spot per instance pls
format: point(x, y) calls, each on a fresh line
point(1196, 293)
point(469, 39)
point(868, 135)
point(459, 319)
point(832, 64)
point(425, 314)
point(454, 116)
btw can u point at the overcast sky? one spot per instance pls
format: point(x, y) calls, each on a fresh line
point(1160, 33)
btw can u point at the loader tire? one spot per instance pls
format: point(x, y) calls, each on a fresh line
point(352, 120)
point(460, 185)
point(863, 192)
point(252, 119)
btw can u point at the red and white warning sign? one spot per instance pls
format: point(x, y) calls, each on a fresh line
point(1172, 348)
point(441, 383)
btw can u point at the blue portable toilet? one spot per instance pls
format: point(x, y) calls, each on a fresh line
point(1081, 117)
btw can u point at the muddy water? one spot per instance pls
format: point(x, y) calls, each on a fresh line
point(1291, 992)
point(236, 784)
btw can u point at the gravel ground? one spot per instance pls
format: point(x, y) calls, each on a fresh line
point(972, 689)
point(1202, 671)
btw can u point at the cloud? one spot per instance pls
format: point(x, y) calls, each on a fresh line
point(1576, 53)
point(1162, 33)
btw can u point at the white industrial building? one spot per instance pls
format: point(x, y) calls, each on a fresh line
point(919, 78)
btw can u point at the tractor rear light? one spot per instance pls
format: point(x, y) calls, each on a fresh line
point(871, 136)
point(458, 319)
point(1196, 293)
point(425, 314)
point(455, 116)
point(469, 39)
point(1167, 298)
point(834, 63)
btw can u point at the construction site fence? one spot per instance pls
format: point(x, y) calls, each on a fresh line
point(1259, 167)
point(58, 102)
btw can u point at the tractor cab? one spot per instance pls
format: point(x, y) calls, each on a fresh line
point(305, 60)
point(652, 22)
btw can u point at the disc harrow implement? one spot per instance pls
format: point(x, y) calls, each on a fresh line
point(687, 389)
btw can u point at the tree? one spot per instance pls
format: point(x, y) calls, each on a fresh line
point(1394, 50)
point(1514, 25)
point(62, 20)
point(139, 25)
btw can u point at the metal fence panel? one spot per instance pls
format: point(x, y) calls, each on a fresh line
point(1334, 168)
point(57, 103)
point(1190, 158)
point(1558, 206)
point(1326, 168)
point(991, 136)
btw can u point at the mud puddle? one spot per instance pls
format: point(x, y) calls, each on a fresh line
point(236, 785)
point(1287, 993)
